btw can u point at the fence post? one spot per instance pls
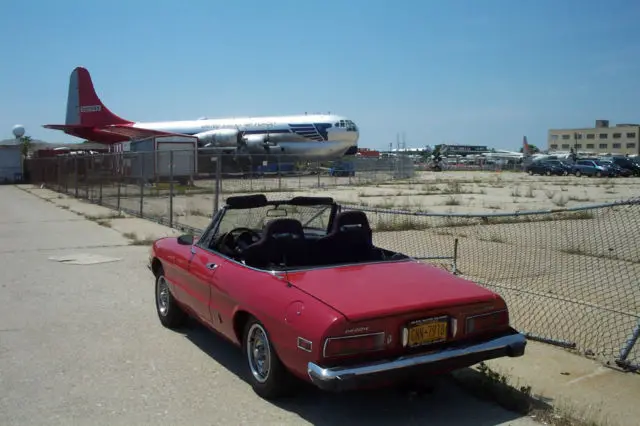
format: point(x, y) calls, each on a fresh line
point(118, 181)
point(142, 158)
point(216, 195)
point(279, 174)
point(86, 177)
point(626, 350)
point(75, 174)
point(170, 188)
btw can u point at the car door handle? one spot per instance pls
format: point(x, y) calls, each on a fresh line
point(211, 266)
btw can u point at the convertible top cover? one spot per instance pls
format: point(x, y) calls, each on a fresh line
point(260, 200)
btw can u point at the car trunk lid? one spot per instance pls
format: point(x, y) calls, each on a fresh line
point(381, 289)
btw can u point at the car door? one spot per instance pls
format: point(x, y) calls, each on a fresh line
point(202, 268)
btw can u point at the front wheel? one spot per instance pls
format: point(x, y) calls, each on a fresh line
point(578, 173)
point(268, 376)
point(170, 314)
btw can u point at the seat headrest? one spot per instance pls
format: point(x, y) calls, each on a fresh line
point(284, 227)
point(351, 220)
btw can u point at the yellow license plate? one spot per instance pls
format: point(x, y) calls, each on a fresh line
point(430, 332)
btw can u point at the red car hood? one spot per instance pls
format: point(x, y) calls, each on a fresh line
point(382, 289)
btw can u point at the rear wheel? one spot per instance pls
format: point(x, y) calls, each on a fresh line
point(268, 376)
point(578, 173)
point(170, 314)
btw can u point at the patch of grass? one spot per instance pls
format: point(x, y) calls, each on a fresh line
point(452, 201)
point(400, 223)
point(528, 193)
point(560, 201)
point(488, 384)
point(136, 241)
point(494, 238)
point(578, 198)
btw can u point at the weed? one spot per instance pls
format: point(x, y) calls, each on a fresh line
point(452, 201)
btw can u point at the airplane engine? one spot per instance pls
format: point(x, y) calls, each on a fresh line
point(261, 144)
point(220, 138)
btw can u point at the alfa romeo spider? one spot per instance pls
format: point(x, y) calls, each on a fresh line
point(302, 289)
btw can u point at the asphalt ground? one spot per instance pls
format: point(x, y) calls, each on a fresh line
point(80, 344)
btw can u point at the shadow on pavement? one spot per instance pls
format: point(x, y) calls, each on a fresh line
point(447, 404)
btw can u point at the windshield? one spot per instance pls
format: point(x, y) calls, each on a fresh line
point(311, 217)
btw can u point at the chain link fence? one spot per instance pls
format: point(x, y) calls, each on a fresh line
point(570, 276)
point(182, 188)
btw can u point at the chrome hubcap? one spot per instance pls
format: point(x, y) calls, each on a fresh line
point(162, 296)
point(258, 353)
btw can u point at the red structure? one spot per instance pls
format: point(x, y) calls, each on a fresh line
point(367, 152)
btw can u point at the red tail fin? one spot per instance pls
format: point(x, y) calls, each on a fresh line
point(84, 107)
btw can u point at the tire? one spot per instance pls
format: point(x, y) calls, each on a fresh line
point(578, 173)
point(277, 381)
point(530, 173)
point(548, 172)
point(169, 312)
point(598, 174)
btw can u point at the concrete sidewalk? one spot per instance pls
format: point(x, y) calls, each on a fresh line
point(573, 384)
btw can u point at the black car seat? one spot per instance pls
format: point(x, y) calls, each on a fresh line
point(282, 243)
point(350, 240)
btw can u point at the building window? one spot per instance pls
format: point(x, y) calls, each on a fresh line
point(631, 135)
point(565, 146)
point(617, 145)
point(554, 137)
point(554, 146)
point(603, 146)
point(578, 135)
point(603, 136)
point(617, 135)
point(578, 146)
point(565, 137)
point(590, 146)
point(631, 145)
point(591, 136)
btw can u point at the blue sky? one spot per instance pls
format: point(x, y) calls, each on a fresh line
point(451, 71)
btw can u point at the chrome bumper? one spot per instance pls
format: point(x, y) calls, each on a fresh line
point(343, 378)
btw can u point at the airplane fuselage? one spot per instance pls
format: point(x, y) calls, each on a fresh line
point(313, 136)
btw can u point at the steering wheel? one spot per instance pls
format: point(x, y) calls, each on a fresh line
point(237, 244)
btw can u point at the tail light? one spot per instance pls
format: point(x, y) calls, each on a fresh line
point(485, 322)
point(349, 345)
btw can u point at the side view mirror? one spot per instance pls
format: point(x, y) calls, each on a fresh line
point(185, 240)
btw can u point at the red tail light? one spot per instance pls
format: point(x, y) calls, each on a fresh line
point(349, 345)
point(485, 322)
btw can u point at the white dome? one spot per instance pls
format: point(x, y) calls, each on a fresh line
point(18, 130)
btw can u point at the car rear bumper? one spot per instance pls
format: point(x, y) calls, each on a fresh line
point(454, 357)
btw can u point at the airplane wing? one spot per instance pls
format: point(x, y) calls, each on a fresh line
point(115, 129)
point(136, 133)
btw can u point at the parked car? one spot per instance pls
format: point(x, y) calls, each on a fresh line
point(592, 168)
point(309, 297)
point(567, 167)
point(629, 163)
point(544, 168)
point(619, 171)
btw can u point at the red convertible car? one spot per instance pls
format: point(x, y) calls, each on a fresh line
point(301, 288)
